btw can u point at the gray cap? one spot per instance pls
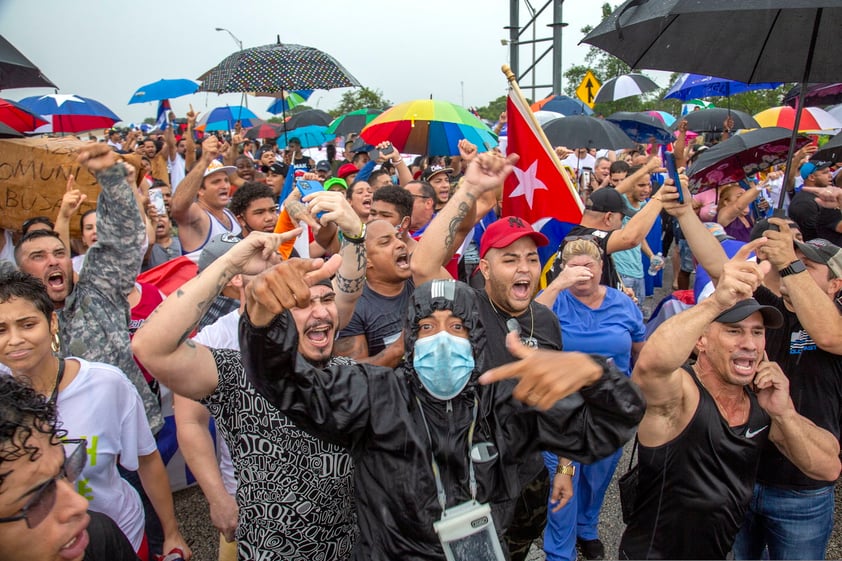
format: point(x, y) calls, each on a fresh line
point(822, 251)
point(216, 248)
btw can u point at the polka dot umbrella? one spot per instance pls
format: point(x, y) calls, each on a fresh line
point(276, 68)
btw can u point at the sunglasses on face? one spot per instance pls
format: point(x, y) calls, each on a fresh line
point(43, 499)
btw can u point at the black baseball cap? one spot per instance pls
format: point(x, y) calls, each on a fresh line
point(772, 317)
point(609, 200)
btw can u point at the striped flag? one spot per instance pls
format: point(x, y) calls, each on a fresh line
point(161, 123)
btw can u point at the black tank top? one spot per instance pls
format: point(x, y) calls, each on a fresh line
point(694, 490)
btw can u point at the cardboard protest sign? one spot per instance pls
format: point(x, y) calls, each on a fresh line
point(33, 179)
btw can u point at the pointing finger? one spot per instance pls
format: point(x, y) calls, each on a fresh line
point(743, 253)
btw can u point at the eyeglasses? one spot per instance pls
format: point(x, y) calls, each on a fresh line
point(421, 197)
point(43, 499)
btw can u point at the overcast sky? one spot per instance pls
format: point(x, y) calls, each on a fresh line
point(106, 49)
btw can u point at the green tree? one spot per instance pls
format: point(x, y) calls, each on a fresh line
point(360, 98)
point(491, 112)
point(604, 67)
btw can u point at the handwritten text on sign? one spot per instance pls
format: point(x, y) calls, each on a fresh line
point(33, 179)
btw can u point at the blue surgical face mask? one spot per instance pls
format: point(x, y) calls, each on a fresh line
point(444, 363)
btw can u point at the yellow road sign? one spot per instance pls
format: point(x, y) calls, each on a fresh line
point(587, 88)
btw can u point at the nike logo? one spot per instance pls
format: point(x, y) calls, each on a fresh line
point(752, 433)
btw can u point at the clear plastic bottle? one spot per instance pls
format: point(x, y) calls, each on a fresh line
point(656, 263)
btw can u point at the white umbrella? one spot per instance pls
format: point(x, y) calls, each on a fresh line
point(545, 117)
point(627, 85)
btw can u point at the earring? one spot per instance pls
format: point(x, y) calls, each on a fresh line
point(55, 344)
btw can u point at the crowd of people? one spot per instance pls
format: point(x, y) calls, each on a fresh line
point(395, 374)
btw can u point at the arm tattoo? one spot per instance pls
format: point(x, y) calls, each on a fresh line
point(349, 286)
point(359, 253)
point(295, 209)
point(454, 224)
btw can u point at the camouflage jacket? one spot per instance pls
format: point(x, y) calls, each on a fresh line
point(94, 323)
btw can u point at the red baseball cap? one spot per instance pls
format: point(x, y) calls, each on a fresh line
point(506, 231)
point(346, 170)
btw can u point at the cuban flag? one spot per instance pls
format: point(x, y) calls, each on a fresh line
point(164, 108)
point(539, 190)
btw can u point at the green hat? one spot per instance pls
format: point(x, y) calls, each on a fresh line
point(335, 181)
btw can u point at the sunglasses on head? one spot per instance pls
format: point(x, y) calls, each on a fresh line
point(43, 499)
point(586, 237)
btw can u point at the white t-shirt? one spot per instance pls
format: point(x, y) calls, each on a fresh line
point(223, 334)
point(579, 164)
point(101, 405)
point(78, 262)
point(8, 251)
point(177, 172)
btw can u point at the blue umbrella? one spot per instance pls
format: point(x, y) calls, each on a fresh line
point(224, 118)
point(164, 89)
point(562, 104)
point(310, 136)
point(70, 113)
point(692, 86)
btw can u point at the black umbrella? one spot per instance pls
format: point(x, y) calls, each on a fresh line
point(627, 85)
point(831, 151)
point(746, 40)
point(307, 118)
point(582, 131)
point(741, 155)
point(816, 95)
point(17, 71)
point(712, 120)
point(274, 69)
point(641, 127)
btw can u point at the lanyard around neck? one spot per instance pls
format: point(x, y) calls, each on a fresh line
point(442, 497)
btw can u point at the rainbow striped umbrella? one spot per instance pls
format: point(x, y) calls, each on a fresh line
point(427, 126)
point(812, 119)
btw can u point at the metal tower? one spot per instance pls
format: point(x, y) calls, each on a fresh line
point(517, 39)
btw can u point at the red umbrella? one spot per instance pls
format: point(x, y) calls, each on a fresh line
point(18, 118)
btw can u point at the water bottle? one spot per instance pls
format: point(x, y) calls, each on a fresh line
point(655, 264)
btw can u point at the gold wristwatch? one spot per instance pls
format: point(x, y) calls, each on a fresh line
point(567, 469)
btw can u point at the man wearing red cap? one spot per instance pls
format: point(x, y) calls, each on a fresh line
point(348, 172)
point(510, 265)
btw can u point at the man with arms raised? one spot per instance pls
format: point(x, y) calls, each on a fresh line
point(706, 423)
point(199, 204)
point(93, 311)
point(314, 517)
